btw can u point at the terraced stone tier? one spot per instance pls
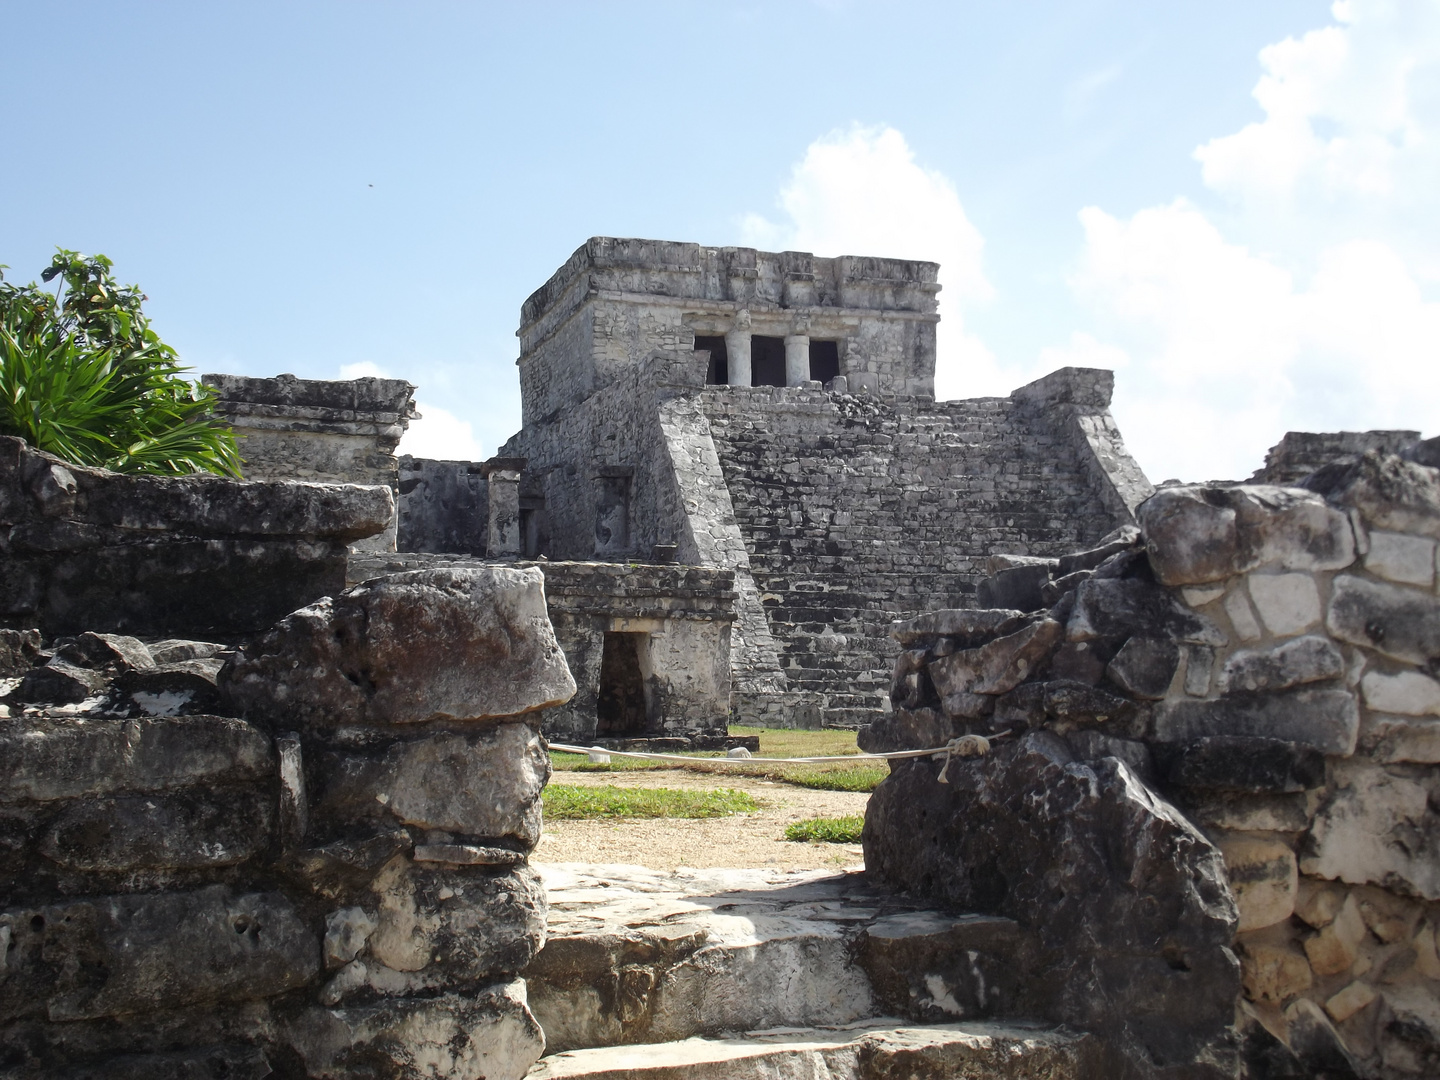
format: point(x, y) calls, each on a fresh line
point(875, 1050)
point(855, 513)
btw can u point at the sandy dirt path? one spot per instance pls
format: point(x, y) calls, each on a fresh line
point(754, 840)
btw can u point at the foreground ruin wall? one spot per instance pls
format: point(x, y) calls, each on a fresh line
point(85, 549)
point(1213, 798)
point(311, 863)
point(673, 621)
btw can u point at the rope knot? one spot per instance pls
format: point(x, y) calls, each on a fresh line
point(963, 746)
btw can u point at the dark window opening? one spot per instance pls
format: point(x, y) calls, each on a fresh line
point(718, 373)
point(620, 705)
point(824, 360)
point(533, 528)
point(767, 361)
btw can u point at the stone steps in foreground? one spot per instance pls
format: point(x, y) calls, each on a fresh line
point(882, 1049)
point(636, 955)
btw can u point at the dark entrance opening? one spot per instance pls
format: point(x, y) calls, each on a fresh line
point(767, 361)
point(824, 360)
point(620, 706)
point(718, 373)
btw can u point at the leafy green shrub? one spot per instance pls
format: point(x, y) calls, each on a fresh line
point(568, 802)
point(84, 377)
point(828, 830)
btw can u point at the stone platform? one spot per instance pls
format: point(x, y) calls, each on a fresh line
point(724, 972)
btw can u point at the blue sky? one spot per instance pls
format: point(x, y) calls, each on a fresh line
point(1230, 203)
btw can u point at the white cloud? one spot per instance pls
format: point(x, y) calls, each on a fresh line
point(364, 369)
point(1341, 112)
point(861, 192)
point(440, 434)
point(437, 433)
point(1309, 309)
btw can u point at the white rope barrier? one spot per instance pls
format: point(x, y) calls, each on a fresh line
point(964, 746)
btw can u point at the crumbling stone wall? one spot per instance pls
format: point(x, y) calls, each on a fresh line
point(335, 431)
point(682, 616)
point(86, 549)
point(1238, 702)
point(315, 865)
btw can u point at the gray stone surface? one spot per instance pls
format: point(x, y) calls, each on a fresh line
point(1113, 609)
point(1391, 619)
point(154, 555)
point(180, 831)
point(66, 757)
point(1281, 666)
point(425, 927)
point(1328, 720)
point(1376, 827)
point(1390, 493)
point(336, 431)
point(124, 955)
point(978, 623)
point(1247, 763)
point(484, 784)
point(485, 1033)
point(355, 659)
point(1019, 833)
point(999, 665)
point(1145, 667)
point(1198, 533)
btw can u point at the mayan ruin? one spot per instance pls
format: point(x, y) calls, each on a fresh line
point(1162, 763)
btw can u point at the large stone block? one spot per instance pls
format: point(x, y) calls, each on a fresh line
point(485, 1034)
point(1391, 739)
point(423, 927)
point(1197, 534)
point(183, 831)
point(1328, 720)
point(123, 955)
point(1129, 903)
point(46, 758)
point(1376, 828)
point(1288, 603)
point(152, 555)
point(1263, 877)
point(965, 623)
point(484, 785)
point(1290, 663)
point(1115, 609)
point(1408, 560)
point(1391, 494)
point(456, 644)
point(1273, 974)
point(1391, 619)
point(998, 666)
point(1247, 764)
point(1406, 692)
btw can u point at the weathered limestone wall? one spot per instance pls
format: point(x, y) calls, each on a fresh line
point(312, 862)
point(856, 512)
point(85, 549)
point(617, 301)
point(682, 618)
point(332, 431)
point(1255, 670)
point(1300, 453)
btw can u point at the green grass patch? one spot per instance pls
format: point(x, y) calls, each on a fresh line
point(827, 830)
point(774, 742)
point(570, 802)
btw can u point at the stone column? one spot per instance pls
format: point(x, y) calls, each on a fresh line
point(797, 359)
point(503, 538)
point(737, 351)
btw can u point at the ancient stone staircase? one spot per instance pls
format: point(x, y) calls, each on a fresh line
point(855, 514)
point(733, 974)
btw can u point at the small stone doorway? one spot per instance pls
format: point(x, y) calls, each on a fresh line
point(620, 706)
